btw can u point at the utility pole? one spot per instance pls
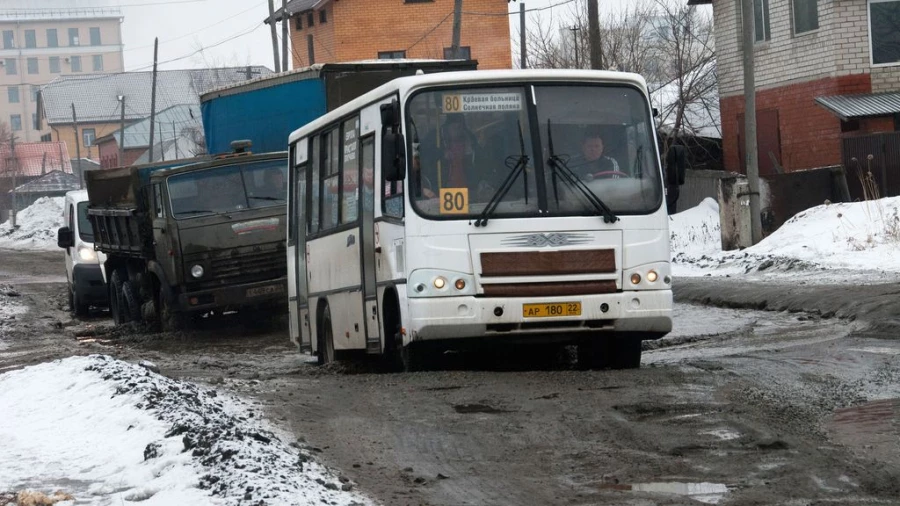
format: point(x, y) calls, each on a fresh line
point(457, 28)
point(750, 148)
point(175, 137)
point(162, 147)
point(274, 31)
point(15, 170)
point(77, 148)
point(523, 47)
point(153, 99)
point(575, 45)
point(594, 35)
point(285, 21)
point(121, 160)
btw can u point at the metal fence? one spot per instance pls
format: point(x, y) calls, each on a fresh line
point(875, 153)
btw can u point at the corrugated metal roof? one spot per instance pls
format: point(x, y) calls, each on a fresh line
point(96, 96)
point(170, 123)
point(866, 105)
point(56, 181)
point(30, 158)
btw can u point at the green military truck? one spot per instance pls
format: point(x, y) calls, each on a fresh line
point(192, 237)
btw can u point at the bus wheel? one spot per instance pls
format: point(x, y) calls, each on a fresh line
point(326, 338)
point(416, 356)
point(595, 353)
point(626, 353)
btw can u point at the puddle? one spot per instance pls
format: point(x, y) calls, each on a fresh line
point(477, 408)
point(707, 493)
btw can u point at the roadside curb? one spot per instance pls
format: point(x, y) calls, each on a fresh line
point(876, 305)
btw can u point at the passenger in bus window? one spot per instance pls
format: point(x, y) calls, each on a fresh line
point(592, 163)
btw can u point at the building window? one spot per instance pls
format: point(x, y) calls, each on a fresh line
point(391, 55)
point(884, 16)
point(806, 15)
point(76, 63)
point(32, 65)
point(13, 93)
point(47, 138)
point(35, 125)
point(15, 122)
point(98, 63)
point(73, 36)
point(88, 135)
point(465, 53)
point(52, 38)
point(54, 65)
point(310, 20)
point(30, 39)
point(761, 20)
point(9, 39)
point(298, 23)
point(10, 64)
point(323, 16)
point(95, 36)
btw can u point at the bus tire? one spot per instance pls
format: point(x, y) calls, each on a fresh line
point(416, 357)
point(626, 353)
point(116, 303)
point(595, 353)
point(325, 350)
point(132, 305)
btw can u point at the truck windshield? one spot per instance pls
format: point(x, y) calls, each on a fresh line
point(228, 189)
point(466, 143)
point(85, 229)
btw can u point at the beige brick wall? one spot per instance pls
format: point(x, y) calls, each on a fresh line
point(360, 29)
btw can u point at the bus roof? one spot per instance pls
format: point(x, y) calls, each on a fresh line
point(406, 84)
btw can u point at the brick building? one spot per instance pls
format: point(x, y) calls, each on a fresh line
point(333, 31)
point(827, 71)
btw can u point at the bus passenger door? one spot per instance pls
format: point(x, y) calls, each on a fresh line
point(298, 303)
point(367, 233)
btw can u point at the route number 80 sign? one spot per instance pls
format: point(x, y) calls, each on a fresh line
point(454, 200)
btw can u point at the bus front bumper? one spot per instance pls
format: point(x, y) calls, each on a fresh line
point(648, 313)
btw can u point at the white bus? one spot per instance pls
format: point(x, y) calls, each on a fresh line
point(449, 209)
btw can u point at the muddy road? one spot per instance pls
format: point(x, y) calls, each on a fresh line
point(735, 407)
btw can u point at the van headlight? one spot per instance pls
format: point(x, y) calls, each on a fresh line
point(439, 283)
point(197, 271)
point(87, 254)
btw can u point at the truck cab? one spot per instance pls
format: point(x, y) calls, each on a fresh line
point(84, 277)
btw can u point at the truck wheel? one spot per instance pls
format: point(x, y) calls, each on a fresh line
point(131, 306)
point(169, 320)
point(116, 302)
point(326, 339)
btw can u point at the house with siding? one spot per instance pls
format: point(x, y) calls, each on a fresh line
point(828, 83)
point(335, 31)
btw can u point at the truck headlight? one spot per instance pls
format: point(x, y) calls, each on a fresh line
point(439, 283)
point(87, 254)
point(197, 271)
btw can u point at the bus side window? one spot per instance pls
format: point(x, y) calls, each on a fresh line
point(315, 184)
point(392, 203)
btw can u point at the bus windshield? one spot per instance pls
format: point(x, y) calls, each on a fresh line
point(473, 152)
point(229, 188)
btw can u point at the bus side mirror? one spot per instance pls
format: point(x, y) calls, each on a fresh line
point(390, 114)
point(65, 238)
point(675, 165)
point(393, 157)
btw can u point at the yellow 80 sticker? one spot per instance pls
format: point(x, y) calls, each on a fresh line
point(452, 103)
point(454, 200)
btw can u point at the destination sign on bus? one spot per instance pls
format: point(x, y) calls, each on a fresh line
point(482, 102)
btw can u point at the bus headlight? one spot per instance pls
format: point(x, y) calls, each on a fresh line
point(87, 254)
point(439, 283)
point(652, 276)
point(197, 271)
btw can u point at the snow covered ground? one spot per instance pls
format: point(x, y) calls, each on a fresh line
point(36, 226)
point(838, 241)
point(109, 432)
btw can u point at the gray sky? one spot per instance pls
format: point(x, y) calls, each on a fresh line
point(198, 33)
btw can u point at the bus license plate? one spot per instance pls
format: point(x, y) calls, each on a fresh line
point(545, 310)
point(263, 290)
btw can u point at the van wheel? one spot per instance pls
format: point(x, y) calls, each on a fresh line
point(326, 338)
point(116, 301)
point(80, 307)
point(131, 306)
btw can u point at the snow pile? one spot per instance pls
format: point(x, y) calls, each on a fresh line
point(36, 225)
point(108, 432)
point(856, 236)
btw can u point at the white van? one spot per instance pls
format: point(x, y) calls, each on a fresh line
point(83, 273)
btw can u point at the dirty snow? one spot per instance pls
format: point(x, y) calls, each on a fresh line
point(846, 238)
point(110, 432)
point(36, 226)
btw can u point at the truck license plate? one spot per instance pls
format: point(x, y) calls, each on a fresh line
point(263, 290)
point(546, 309)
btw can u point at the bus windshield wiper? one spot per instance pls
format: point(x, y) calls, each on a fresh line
point(562, 171)
point(517, 166)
